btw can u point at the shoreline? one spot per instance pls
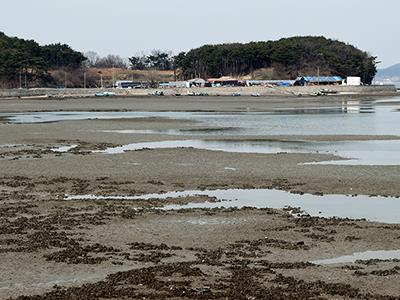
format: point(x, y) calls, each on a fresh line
point(271, 103)
point(296, 92)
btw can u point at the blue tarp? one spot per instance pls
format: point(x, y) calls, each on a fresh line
point(321, 78)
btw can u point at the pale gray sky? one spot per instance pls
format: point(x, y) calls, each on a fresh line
point(127, 27)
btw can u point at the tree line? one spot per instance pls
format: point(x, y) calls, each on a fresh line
point(26, 59)
point(290, 56)
point(155, 60)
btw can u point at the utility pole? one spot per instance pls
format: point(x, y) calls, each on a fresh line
point(101, 80)
point(320, 56)
point(174, 66)
point(65, 80)
point(113, 76)
point(84, 80)
point(26, 81)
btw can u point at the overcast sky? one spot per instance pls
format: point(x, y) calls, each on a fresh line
point(127, 27)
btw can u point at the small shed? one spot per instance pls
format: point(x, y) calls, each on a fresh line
point(196, 82)
point(223, 81)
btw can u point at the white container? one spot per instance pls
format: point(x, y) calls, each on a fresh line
point(353, 80)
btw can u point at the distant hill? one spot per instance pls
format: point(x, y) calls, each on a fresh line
point(392, 72)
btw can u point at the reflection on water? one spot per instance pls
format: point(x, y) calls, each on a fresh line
point(311, 121)
point(383, 122)
point(227, 146)
point(182, 132)
point(381, 255)
point(321, 121)
point(356, 106)
point(382, 153)
point(46, 117)
point(360, 152)
point(379, 209)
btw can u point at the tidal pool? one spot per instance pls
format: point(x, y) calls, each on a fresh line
point(345, 119)
point(10, 145)
point(219, 131)
point(358, 152)
point(63, 149)
point(378, 209)
point(319, 121)
point(367, 255)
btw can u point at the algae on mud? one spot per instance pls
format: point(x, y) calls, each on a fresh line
point(115, 248)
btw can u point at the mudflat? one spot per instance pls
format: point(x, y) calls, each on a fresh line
point(183, 103)
point(54, 248)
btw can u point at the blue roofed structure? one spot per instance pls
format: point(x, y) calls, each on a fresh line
point(318, 80)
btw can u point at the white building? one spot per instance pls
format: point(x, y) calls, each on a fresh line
point(127, 84)
point(197, 82)
point(354, 81)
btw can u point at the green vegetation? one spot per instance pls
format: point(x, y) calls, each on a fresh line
point(289, 57)
point(62, 56)
point(26, 59)
point(157, 60)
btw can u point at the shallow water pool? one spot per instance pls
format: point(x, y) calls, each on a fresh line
point(358, 152)
point(379, 209)
point(319, 121)
point(367, 255)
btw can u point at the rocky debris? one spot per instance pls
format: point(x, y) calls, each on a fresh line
point(382, 273)
point(77, 254)
point(148, 247)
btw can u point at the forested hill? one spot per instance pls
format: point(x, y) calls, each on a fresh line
point(32, 61)
point(283, 59)
point(286, 58)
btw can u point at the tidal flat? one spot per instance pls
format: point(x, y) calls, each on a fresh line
point(78, 217)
